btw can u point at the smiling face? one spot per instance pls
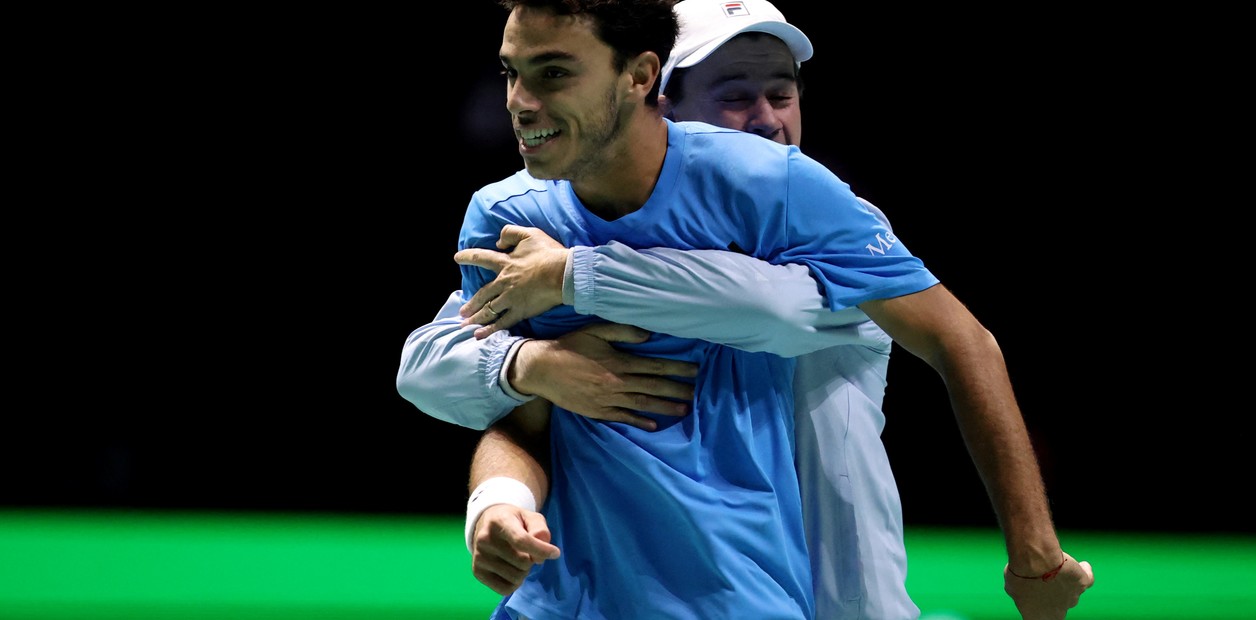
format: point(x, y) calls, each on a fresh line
point(563, 92)
point(748, 84)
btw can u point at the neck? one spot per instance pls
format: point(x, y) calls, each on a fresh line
point(629, 173)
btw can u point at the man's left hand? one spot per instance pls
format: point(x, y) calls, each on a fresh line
point(529, 279)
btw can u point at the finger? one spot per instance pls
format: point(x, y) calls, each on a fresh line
point(500, 552)
point(472, 305)
point(480, 299)
point(497, 584)
point(506, 563)
point(661, 366)
point(502, 580)
point(484, 318)
point(512, 563)
point(660, 388)
point(511, 235)
point(617, 332)
point(487, 310)
point(502, 323)
point(484, 331)
point(626, 416)
point(654, 404)
point(480, 257)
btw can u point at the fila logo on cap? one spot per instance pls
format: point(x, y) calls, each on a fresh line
point(733, 9)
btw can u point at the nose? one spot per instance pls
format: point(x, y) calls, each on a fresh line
point(518, 99)
point(762, 119)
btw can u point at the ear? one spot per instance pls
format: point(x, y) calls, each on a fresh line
point(643, 71)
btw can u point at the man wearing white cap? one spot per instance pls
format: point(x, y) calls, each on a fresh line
point(859, 563)
point(731, 66)
point(735, 64)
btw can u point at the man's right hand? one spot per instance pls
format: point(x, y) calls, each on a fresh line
point(583, 373)
point(1050, 598)
point(508, 540)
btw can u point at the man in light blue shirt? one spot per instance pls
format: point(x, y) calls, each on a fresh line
point(692, 222)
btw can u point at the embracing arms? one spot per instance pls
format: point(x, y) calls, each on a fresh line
point(938, 328)
point(470, 370)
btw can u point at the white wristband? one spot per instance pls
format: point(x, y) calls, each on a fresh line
point(499, 490)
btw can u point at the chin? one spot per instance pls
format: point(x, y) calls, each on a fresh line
point(541, 172)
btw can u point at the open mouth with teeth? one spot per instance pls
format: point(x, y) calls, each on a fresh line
point(537, 137)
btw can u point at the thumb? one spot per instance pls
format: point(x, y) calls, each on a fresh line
point(1090, 573)
point(538, 545)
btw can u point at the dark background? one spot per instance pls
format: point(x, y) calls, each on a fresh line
point(253, 218)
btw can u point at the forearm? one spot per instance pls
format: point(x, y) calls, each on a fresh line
point(516, 447)
point(994, 432)
point(712, 295)
point(448, 374)
point(509, 484)
point(933, 325)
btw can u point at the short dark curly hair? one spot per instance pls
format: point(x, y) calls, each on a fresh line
point(629, 27)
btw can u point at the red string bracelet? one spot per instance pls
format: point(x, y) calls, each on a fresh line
point(1047, 576)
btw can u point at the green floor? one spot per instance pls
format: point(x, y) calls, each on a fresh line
point(148, 565)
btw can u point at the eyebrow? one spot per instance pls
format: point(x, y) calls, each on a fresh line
point(734, 77)
point(541, 58)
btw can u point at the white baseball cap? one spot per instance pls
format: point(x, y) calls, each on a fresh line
point(705, 25)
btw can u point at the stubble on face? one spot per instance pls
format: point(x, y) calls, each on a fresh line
point(568, 85)
point(597, 145)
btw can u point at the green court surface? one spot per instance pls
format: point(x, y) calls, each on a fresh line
point(61, 565)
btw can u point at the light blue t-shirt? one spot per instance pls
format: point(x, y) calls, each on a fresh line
point(701, 518)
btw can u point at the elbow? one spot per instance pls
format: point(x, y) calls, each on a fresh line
point(422, 386)
point(417, 390)
point(411, 381)
point(411, 387)
point(435, 402)
point(977, 339)
point(961, 348)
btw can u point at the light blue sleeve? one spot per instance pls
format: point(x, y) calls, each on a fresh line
point(875, 210)
point(712, 295)
point(453, 377)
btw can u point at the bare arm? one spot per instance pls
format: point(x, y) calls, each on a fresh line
point(517, 446)
point(718, 296)
point(938, 328)
point(507, 540)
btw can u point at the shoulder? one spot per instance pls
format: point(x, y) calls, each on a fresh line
point(732, 157)
point(518, 185)
point(513, 200)
point(723, 143)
